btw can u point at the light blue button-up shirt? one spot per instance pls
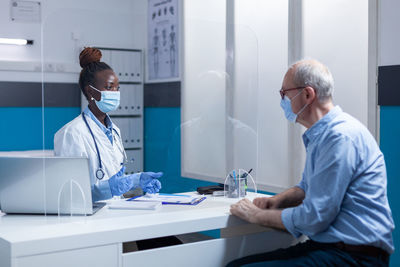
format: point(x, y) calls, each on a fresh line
point(344, 181)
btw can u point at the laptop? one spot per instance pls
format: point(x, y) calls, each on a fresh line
point(46, 185)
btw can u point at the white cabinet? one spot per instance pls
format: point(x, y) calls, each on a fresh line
point(135, 158)
point(136, 132)
point(131, 100)
point(131, 131)
point(127, 64)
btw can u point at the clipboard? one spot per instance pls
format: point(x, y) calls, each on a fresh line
point(170, 199)
point(193, 203)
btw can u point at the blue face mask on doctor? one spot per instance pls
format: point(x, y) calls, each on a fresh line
point(287, 107)
point(109, 100)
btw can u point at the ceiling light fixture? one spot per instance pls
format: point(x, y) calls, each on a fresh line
point(16, 41)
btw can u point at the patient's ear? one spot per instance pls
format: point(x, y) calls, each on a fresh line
point(310, 93)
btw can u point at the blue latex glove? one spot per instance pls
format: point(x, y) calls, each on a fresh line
point(149, 182)
point(119, 183)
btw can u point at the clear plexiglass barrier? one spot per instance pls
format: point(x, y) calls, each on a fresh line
point(219, 127)
point(220, 114)
point(35, 177)
point(234, 62)
point(91, 148)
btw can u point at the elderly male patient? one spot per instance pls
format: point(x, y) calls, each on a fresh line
point(340, 204)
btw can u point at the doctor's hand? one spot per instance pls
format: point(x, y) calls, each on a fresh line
point(149, 182)
point(120, 183)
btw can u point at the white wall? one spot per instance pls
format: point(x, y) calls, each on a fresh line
point(389, 37)
point(105, 23)
point(341, 44)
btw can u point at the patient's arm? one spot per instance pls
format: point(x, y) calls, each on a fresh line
point(289, 198)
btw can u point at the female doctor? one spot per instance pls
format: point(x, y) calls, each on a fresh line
point(93, 135)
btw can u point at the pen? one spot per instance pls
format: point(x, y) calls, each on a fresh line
point(244, 175)
point(234, 176)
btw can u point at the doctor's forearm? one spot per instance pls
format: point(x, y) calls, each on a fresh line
point(101, 191)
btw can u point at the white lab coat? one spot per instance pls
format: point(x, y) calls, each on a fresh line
point(75, 140)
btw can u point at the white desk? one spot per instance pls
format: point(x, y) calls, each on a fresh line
point(30, 240)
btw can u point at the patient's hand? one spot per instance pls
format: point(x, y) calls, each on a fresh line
point(246, 210)
point(266, 202)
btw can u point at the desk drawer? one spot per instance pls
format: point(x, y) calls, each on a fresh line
point(203, 253)
point(102, 256)
point(215, 252)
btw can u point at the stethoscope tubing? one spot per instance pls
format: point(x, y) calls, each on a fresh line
point(100, 172)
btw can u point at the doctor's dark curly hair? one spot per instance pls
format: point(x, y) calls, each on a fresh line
point(89, 59)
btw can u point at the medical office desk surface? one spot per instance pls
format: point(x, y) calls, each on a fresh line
point(34, 240)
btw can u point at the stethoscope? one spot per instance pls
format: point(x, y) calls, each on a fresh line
point(100, 172)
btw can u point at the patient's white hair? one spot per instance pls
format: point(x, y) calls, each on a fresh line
point(313, 73)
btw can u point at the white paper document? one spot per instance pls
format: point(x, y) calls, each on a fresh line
point(135, 205)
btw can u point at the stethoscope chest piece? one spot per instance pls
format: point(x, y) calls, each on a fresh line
point(99, 174)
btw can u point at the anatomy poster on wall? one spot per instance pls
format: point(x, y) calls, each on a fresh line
point(162, 48)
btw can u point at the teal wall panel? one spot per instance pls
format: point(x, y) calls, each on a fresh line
point(22, 129)
point(390, 146)
point(162, 148)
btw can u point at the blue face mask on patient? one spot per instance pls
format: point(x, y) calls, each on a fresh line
point(287, 108)
point(109, 100)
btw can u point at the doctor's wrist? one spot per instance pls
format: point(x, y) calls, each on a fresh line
point(135, 180)
point(112, 183)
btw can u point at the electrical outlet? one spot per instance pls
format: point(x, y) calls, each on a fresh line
point(49, 67)
point(60, 67)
